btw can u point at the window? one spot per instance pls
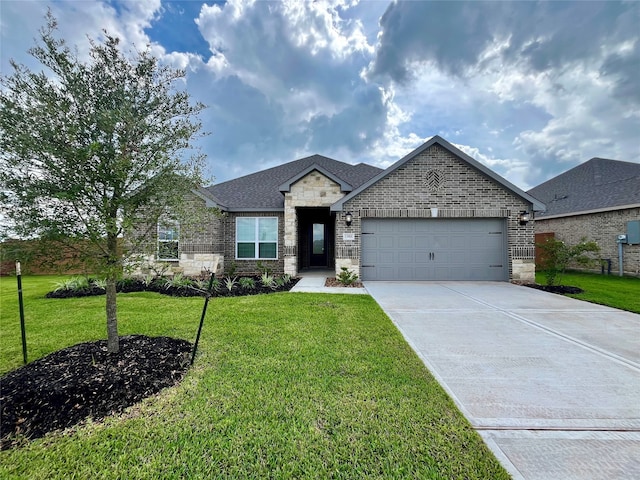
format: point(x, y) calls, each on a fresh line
point(256, 237)
point(168, 236)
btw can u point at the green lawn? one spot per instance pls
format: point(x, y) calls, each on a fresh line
point(284, 386)
point(611, 290)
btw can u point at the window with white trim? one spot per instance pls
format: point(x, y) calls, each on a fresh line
point(168, 238)
point(256, 238)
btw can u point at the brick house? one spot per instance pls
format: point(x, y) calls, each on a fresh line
point(436, 214)
point(597, 200)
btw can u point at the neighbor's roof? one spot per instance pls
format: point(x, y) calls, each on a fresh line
point(263, 190)
point(596, 185)
point(536, 204)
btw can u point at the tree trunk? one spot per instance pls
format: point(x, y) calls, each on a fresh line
point(113, 342)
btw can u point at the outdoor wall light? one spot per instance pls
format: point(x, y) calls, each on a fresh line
point(348, 218)
point(524, 217)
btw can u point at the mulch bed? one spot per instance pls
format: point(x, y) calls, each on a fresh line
point(333, 282)
point(70, 385)
point(560, 289)
point(135, 285)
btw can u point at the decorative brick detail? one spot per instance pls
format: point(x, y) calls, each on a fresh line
point(467, 193)
point(523, 252)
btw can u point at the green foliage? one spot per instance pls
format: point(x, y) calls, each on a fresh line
point(178, 281)
point(229, 282)
point(610, 290)
point(231, 269)
point(264, 269)
point(90, 148)
point(73, 284)
point(247, 283)
point(284, 386)
point(559, 256)
point(346, 277)
point(101, 283)
point(267, 280)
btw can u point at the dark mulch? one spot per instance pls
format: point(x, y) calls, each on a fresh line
point(560, 289)
point(333, 282)
point(64, 388)
point(135, 285)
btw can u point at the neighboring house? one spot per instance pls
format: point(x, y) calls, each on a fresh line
point(595, 200)
point(436, 214)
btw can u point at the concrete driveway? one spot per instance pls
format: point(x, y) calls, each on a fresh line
point(551, 383)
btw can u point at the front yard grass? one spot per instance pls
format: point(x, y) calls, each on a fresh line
point(284, 386)
point(610, 290)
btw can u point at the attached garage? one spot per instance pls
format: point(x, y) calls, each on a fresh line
point(434, 249)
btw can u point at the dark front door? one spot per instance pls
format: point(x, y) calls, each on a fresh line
point(318, 242)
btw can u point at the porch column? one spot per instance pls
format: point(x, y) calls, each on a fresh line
point(290, 237)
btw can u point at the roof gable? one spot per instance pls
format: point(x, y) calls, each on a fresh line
point(597, 184)
point(537, 205)
point(344, 186)
point(261, 191)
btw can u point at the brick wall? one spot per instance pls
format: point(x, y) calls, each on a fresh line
point(603, 228)
point(438, 179)
point(244, 266)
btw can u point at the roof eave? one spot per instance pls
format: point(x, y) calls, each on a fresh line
point(588, 212)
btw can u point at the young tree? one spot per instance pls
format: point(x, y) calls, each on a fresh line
point(89, 148)
point(558, 256)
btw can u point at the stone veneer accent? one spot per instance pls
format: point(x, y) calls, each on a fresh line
point(457, 191)
point(200, 243)
point(601, 227)
point(312, 190)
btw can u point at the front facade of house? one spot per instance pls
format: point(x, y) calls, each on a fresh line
point(436, 214)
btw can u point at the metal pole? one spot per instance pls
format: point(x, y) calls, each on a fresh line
point(22, 330)
point(204, 312)
point(620, 258)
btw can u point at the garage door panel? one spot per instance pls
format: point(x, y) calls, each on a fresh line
point(434, 249)
point(405, 242)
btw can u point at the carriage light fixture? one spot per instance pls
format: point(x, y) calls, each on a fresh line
point(348, 218)
point(524, 217)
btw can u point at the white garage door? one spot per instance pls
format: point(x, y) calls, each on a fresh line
point(434, 249)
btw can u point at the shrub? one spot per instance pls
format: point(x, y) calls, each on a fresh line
point(346, 277)
point(559, 255)
point(247, 283)
point(178, 281)
point(263, 269)
point(73, 284)
point(267, 280)
point(229, 282)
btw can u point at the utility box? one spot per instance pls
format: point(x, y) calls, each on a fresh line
point(633, 232)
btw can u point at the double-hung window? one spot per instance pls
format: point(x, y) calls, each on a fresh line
point(168, 238)
point(257, 238)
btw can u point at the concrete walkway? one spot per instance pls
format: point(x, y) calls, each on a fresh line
point(313, 281)
point(552, 384)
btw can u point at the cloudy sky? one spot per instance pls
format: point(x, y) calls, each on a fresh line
point(531, 89)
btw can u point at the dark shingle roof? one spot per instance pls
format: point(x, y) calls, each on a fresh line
point(596, 184)
point(261, 190)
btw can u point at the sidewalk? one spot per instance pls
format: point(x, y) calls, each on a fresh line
point(312, 281)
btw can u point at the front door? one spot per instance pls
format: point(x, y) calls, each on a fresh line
point(318, 241)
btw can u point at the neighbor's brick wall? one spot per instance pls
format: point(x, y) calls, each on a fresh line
point(463, 193)
point(229, 244)
point(603, 228)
